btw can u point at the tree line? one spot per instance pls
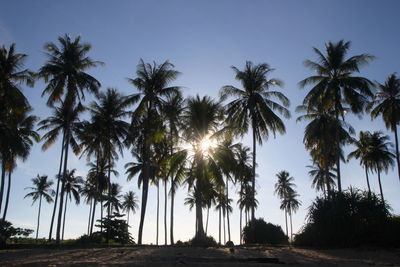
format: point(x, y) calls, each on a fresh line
point(191, 141)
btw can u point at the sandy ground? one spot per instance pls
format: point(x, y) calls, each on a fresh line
point(185, 256)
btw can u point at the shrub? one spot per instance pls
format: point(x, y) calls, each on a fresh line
point(265, 233)
point(206, 241)
point(229, 244)
point(118, 229)
point(351, 218)
point(7, 231)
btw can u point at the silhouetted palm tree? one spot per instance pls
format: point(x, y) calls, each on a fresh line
point(334, 85)
point(113, 199)
point(291, 204)
point(72, 188)
point(380, 156)
point(153, 84)
point(41, 189)
point(129, 203)
point(283, 188)
point(255, 105)
point(387, 101)
point(89, 192)
point(320, 180)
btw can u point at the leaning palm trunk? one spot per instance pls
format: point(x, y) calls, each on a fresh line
point(165, 210)
point(57, 190)
point(62, 191)
point(144, 204)
point(38, 218)
point(208, 213)
point(7, 196)
point(3, 178)
point(90, 215)
point(93, 213)
point(65, 214)
point(380, 186)
point(397, 148)
point(366, 175)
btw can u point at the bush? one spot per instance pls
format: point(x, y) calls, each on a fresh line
point(95, 238)
point(206, 241)
point(7, 231)
point(229, 244)
point(265, 233)
point(118, 229)
point(347, 219)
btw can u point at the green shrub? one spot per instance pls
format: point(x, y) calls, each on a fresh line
point(7, 231)
point(118, 229)
point(351, 218)
point(265, 233)
point(206, 241)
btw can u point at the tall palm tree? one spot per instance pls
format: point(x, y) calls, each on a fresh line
point(64, 73)
point(130, 203)
point(113, 199)
point(363, 149)
point(41, 189)
point(72, 188)
point(64, 121)
point(88, 191)
point(321, 180)
point(152, 82)
point(283, 188)
point(12, 100)
point(291, 204)
point(387, 101)
point(17, 134)
point(255, 105)
point(108, 114)
point(380, 156)
point(334, 85)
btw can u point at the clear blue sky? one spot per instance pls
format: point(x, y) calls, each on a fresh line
point(203, 39)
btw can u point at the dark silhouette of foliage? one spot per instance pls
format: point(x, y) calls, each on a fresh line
point(265, 233)
point(7, 231)
point(351, 218)
point(202, 241)
point(118, 229)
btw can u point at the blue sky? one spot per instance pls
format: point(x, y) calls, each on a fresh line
point(203, 39)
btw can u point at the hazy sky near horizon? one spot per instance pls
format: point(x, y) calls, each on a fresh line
point(203, 39)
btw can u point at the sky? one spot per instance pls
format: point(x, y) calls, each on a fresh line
point(203, 39)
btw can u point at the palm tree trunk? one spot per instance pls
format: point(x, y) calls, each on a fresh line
point(223, 217)
point(338, 152)
point(90, 214)
point(158, 209)
point(7, 196)
point(380, 186)
point(291, 227)
point(397, 149)
point(287, 234)
point(253, 182)
point(58, 187)
point(38, 218)
point(199, 215)
point(62, 190)
point(65, 213)
point(93, 213)
point(366, 175)
point(227, 212)
point(145, 191)
point(208, 213)
point(165, 210)
point(109, 197)
point(240, 226)
point(127, 221)
point(172, 216)
point(219, 223)
point(3, 178)
point(101, 214)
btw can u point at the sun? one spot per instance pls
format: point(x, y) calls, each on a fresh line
point(207, 143)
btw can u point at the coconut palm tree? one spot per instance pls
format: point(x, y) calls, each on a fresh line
point(72, 188)
point(89, 192)
point(12, 100)
point(130, 203)
point(113, 199)
point(17, 134)
point(41, 189)
point(380, 156)
point(387, 104)
point(152, 82)
point(334, 85)
point(284, 187)
point(320, 180)
point(64, 120)
point(363, 148)
point(291, 204)
point(64, 71)
point(255, 105)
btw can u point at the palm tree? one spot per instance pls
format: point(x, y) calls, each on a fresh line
point(113, 199)
point(152, 83)
point(223, 205)
point(321, 180)
point(380, 156)
point(387, 101)
point(66, 121)
point(130, 203)
point(334, 85)
point(41, 189)
point(65, 69)
point(291, 204)
point(90, 193)
point(362, 152)
point(255, 105)
point(283, 188)
point(12, 100)
point(72, 188)
point(17, 134)
point(108, 115)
